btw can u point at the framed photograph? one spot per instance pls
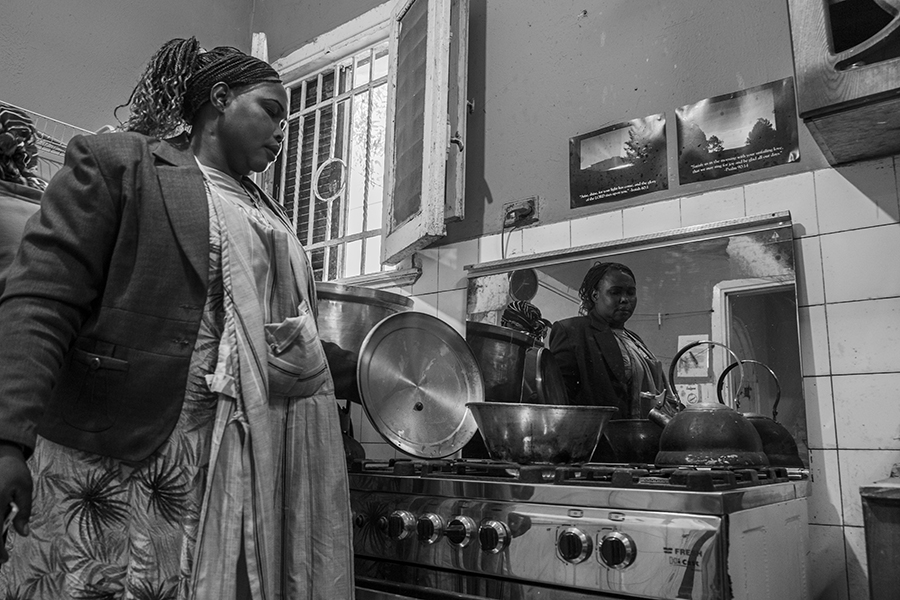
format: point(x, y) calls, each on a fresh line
point(743, 131)
point(619, 161)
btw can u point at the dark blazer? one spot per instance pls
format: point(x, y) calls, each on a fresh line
point(586, 350)
point(103, 302)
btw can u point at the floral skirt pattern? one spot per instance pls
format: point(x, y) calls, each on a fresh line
point(105, 530)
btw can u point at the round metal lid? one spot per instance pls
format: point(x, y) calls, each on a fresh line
point(416, 374)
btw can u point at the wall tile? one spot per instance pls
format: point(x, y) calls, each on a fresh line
point(858, 195)
point(546, 238)
point(825, 489)
point(489, 248)
point(453, 258)
point(426, 303)
point(854, 264)
point(651, 218)
point(405, 290)
point(864, 336)
point(718, 205)
point(867, 411)
point(858, 468)
point(814, 356)
point(595, 229)
point(795, 193)
point(857, 565)
point(820, 421)
point(451, 308)
point(808, 267)
point(428, 282)
point(366, 433)
point(512, 243)
point(827, 563)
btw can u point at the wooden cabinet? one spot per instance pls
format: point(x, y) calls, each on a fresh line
point(847, 63)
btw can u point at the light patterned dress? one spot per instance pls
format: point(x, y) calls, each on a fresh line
point(244, 479)
point(103, 529)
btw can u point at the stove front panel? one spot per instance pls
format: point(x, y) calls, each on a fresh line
point(633, 552)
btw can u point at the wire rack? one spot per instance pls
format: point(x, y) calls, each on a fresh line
point(52, 138)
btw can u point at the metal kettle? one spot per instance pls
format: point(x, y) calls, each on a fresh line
point(778, 443)
point(706, 433)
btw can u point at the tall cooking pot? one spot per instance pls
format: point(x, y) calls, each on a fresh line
point(501, 354)
point(346, 315)
point(778, 443)
point(707, 433)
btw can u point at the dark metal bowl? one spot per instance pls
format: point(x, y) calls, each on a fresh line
point(540, 433)
point(629, 441)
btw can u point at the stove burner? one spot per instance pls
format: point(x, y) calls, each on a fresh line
point(639, 476)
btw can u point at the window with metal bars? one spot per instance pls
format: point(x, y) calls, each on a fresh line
point(330, 179)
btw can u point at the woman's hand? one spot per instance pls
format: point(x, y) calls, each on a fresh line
point(15, 486)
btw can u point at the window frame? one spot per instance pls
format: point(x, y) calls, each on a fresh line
point(442, 83)
point(345, 40)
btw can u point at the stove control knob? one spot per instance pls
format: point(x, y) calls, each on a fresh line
point(401, 524)
point(617, 550)
point(493, 536)
point(460, 531)
point(429, 528)
point(574, 546)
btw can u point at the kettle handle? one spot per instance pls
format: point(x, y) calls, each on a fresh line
point(681, 352)
point(764, 366)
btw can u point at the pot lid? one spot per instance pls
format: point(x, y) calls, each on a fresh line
point(416, 374)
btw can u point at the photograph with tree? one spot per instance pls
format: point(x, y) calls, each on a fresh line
point(738, 132)
point(619, 161)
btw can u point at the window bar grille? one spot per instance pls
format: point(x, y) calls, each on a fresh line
point(368, 150)
point(347, 172)
point(314, 162)
point(282, 167)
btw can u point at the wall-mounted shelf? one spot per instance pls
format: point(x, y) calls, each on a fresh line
point(848, 88)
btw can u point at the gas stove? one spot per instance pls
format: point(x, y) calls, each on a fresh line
point(486, 529)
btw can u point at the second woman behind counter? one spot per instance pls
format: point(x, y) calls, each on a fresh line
point(602, 362)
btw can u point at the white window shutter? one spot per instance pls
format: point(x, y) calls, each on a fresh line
point(420, 125)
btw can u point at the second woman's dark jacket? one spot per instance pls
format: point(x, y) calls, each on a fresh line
point(103, 303)
point(586, 350)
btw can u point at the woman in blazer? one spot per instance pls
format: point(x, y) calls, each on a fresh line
point(160, 368)
point(602, 362)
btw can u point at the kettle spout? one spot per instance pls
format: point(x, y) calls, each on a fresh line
point(659, 417)
point(666, 407)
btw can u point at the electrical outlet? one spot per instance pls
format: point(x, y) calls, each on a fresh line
point(520, 212)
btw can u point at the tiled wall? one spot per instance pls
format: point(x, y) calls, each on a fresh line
point(847, 241)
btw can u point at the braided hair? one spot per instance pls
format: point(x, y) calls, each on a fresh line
point(592, 280)
point(177, 81)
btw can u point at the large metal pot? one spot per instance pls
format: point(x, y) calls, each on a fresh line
point(707, 433)
point(346, 315)
point(778, 443)
point(540, 433)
